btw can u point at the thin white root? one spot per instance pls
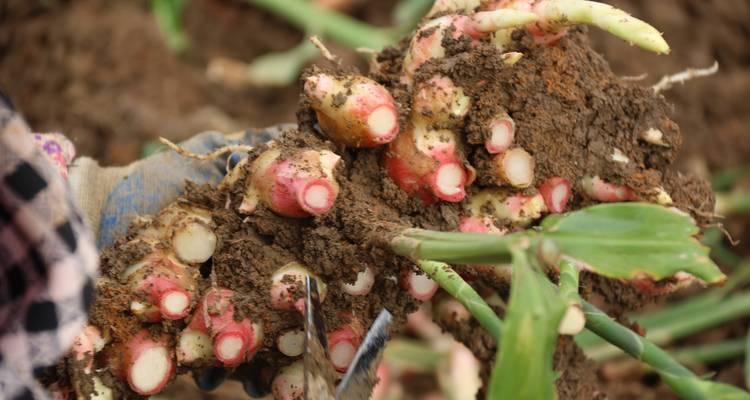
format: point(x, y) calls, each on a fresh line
point(634, 78)
point(324, 50)
point(668, 81)
point(205, 157)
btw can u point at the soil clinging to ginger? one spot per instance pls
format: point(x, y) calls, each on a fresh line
point(570, 111)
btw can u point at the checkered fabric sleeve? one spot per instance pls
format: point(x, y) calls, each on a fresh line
point(48, 262)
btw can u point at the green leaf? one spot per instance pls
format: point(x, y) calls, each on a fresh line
point(524, 366)
point(168, 15)
point(694, 388)
point(630, 240)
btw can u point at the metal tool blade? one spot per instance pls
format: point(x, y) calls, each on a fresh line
point(319, 373)
point(361, 377)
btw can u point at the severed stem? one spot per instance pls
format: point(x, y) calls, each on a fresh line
point(690, 320)
point(574, 320)
point(630, 342)
point(452, 283)
point(460, 248)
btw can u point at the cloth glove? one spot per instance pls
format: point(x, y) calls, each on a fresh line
point(111, 197)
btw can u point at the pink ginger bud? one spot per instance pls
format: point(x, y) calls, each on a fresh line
point(214, 322)
point(425, 164)
point(599, 190)
point(300, 186)
point(354, 111)
point(166, 286)
point(556, 192)
point(148, 363)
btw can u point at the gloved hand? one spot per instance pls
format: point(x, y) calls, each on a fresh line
point(110, 197)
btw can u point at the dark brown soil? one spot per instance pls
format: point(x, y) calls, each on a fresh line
point(99, 71)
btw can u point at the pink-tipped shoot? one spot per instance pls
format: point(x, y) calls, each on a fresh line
point(89, 342)
point(500, 205)
point(148, 363)
point(214, 321)
point(478, 225)
point(514, 167)
point(301, 186)
point(605, 192)
point(342, 346)
point(556, 192)
point(165, 285)
point(354, 111)
point(501, 134)
point(425, 163)
point(450, 310)
point(380, 390)
point(419, 285)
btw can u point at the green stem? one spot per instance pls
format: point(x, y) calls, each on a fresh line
point(168, 14)
point(696, 320)
point(710, 353)
point(724, 180)
point(411, 355)
point(569, 274)
point(408, 13)
point(746, 349)
point(697, 356)
point(737, 202)
point(452, 283)
point(662, 318)
point(309, 17)
point(676, 312)
point(281, 68)
point(630, 342)
point(733, 307)
point(688, 308)
point(453, 247)
point(596, 321)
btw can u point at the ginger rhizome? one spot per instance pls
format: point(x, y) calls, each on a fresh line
point(482, 121)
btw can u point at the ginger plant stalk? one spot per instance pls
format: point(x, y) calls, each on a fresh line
point(555, 15)
point(574, 320)
point(346, 30)
point(606, 17)
point(678, 377)
point(452, 283)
